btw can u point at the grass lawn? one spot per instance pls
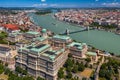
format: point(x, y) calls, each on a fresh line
point(86, 73)
point(3, 77)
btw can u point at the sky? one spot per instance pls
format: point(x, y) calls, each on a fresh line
point(59, 3)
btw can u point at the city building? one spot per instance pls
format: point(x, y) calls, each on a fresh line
point(40, 40)
point(30, 35)
point(15, 37)
point(2, 28)
point(10, 28)
point(7, 55)
point(44, 33)
point(42, 60)
point(60, 41)
point(93, 56)
point(78, 50)
point(21, 44)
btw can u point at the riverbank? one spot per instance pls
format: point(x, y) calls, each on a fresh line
point(83, 26)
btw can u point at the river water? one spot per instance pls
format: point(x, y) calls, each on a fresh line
point(102, 40)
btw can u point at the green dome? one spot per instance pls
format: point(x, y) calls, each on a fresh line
point(44, 30)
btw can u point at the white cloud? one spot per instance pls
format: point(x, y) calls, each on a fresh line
point(43, 0)
point(40, 5)
point(52, 5)
point(45, 5)
point(116, 4)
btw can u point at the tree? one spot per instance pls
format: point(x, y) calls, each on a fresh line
point(69, 69)
point(69, 55)
point(75, 69)
point(1, 62)
point(84, 78)
point(39, 78)
point(24, 72)
point(6, 64)
point(81, 67)
point(13, 77)
point(7, 71)
point(104, 65)
point(1, 68)
point(18, 69)
point(116, 71)
point(61, 73)
point(28, 78)
point(91, 66)
point(112, 54)
point(108, 75)
point(86, 64)
point(88, 60)
point(102, 73)
point(69, 63)
point(69, 75)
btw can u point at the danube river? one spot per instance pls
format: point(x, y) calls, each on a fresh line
point(102, 40)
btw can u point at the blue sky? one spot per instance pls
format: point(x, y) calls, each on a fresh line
point(59, 3)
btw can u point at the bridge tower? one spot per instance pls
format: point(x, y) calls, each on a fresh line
point(67, 32)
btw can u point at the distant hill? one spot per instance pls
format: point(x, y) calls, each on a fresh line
point(16, 8)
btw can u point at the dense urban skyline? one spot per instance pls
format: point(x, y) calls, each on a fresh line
point(60, 3)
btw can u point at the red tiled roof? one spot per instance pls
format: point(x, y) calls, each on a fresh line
point(11, 26)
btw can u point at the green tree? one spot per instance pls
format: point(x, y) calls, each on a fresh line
point(39, 78)
point(69, 75)
point(61, 73)
point(18, 69)
point(84, 78)
point(75, 69)
point(24, 72)
point(69, 62)
point(1, 62)
point(88, 60)
point(7, 71)
point(6, 64)
point(81, 67)
point(69, 69)
point(13, 77)
point(102, 73)
point(1, 68)
point(69, 55)
point(28, 78)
